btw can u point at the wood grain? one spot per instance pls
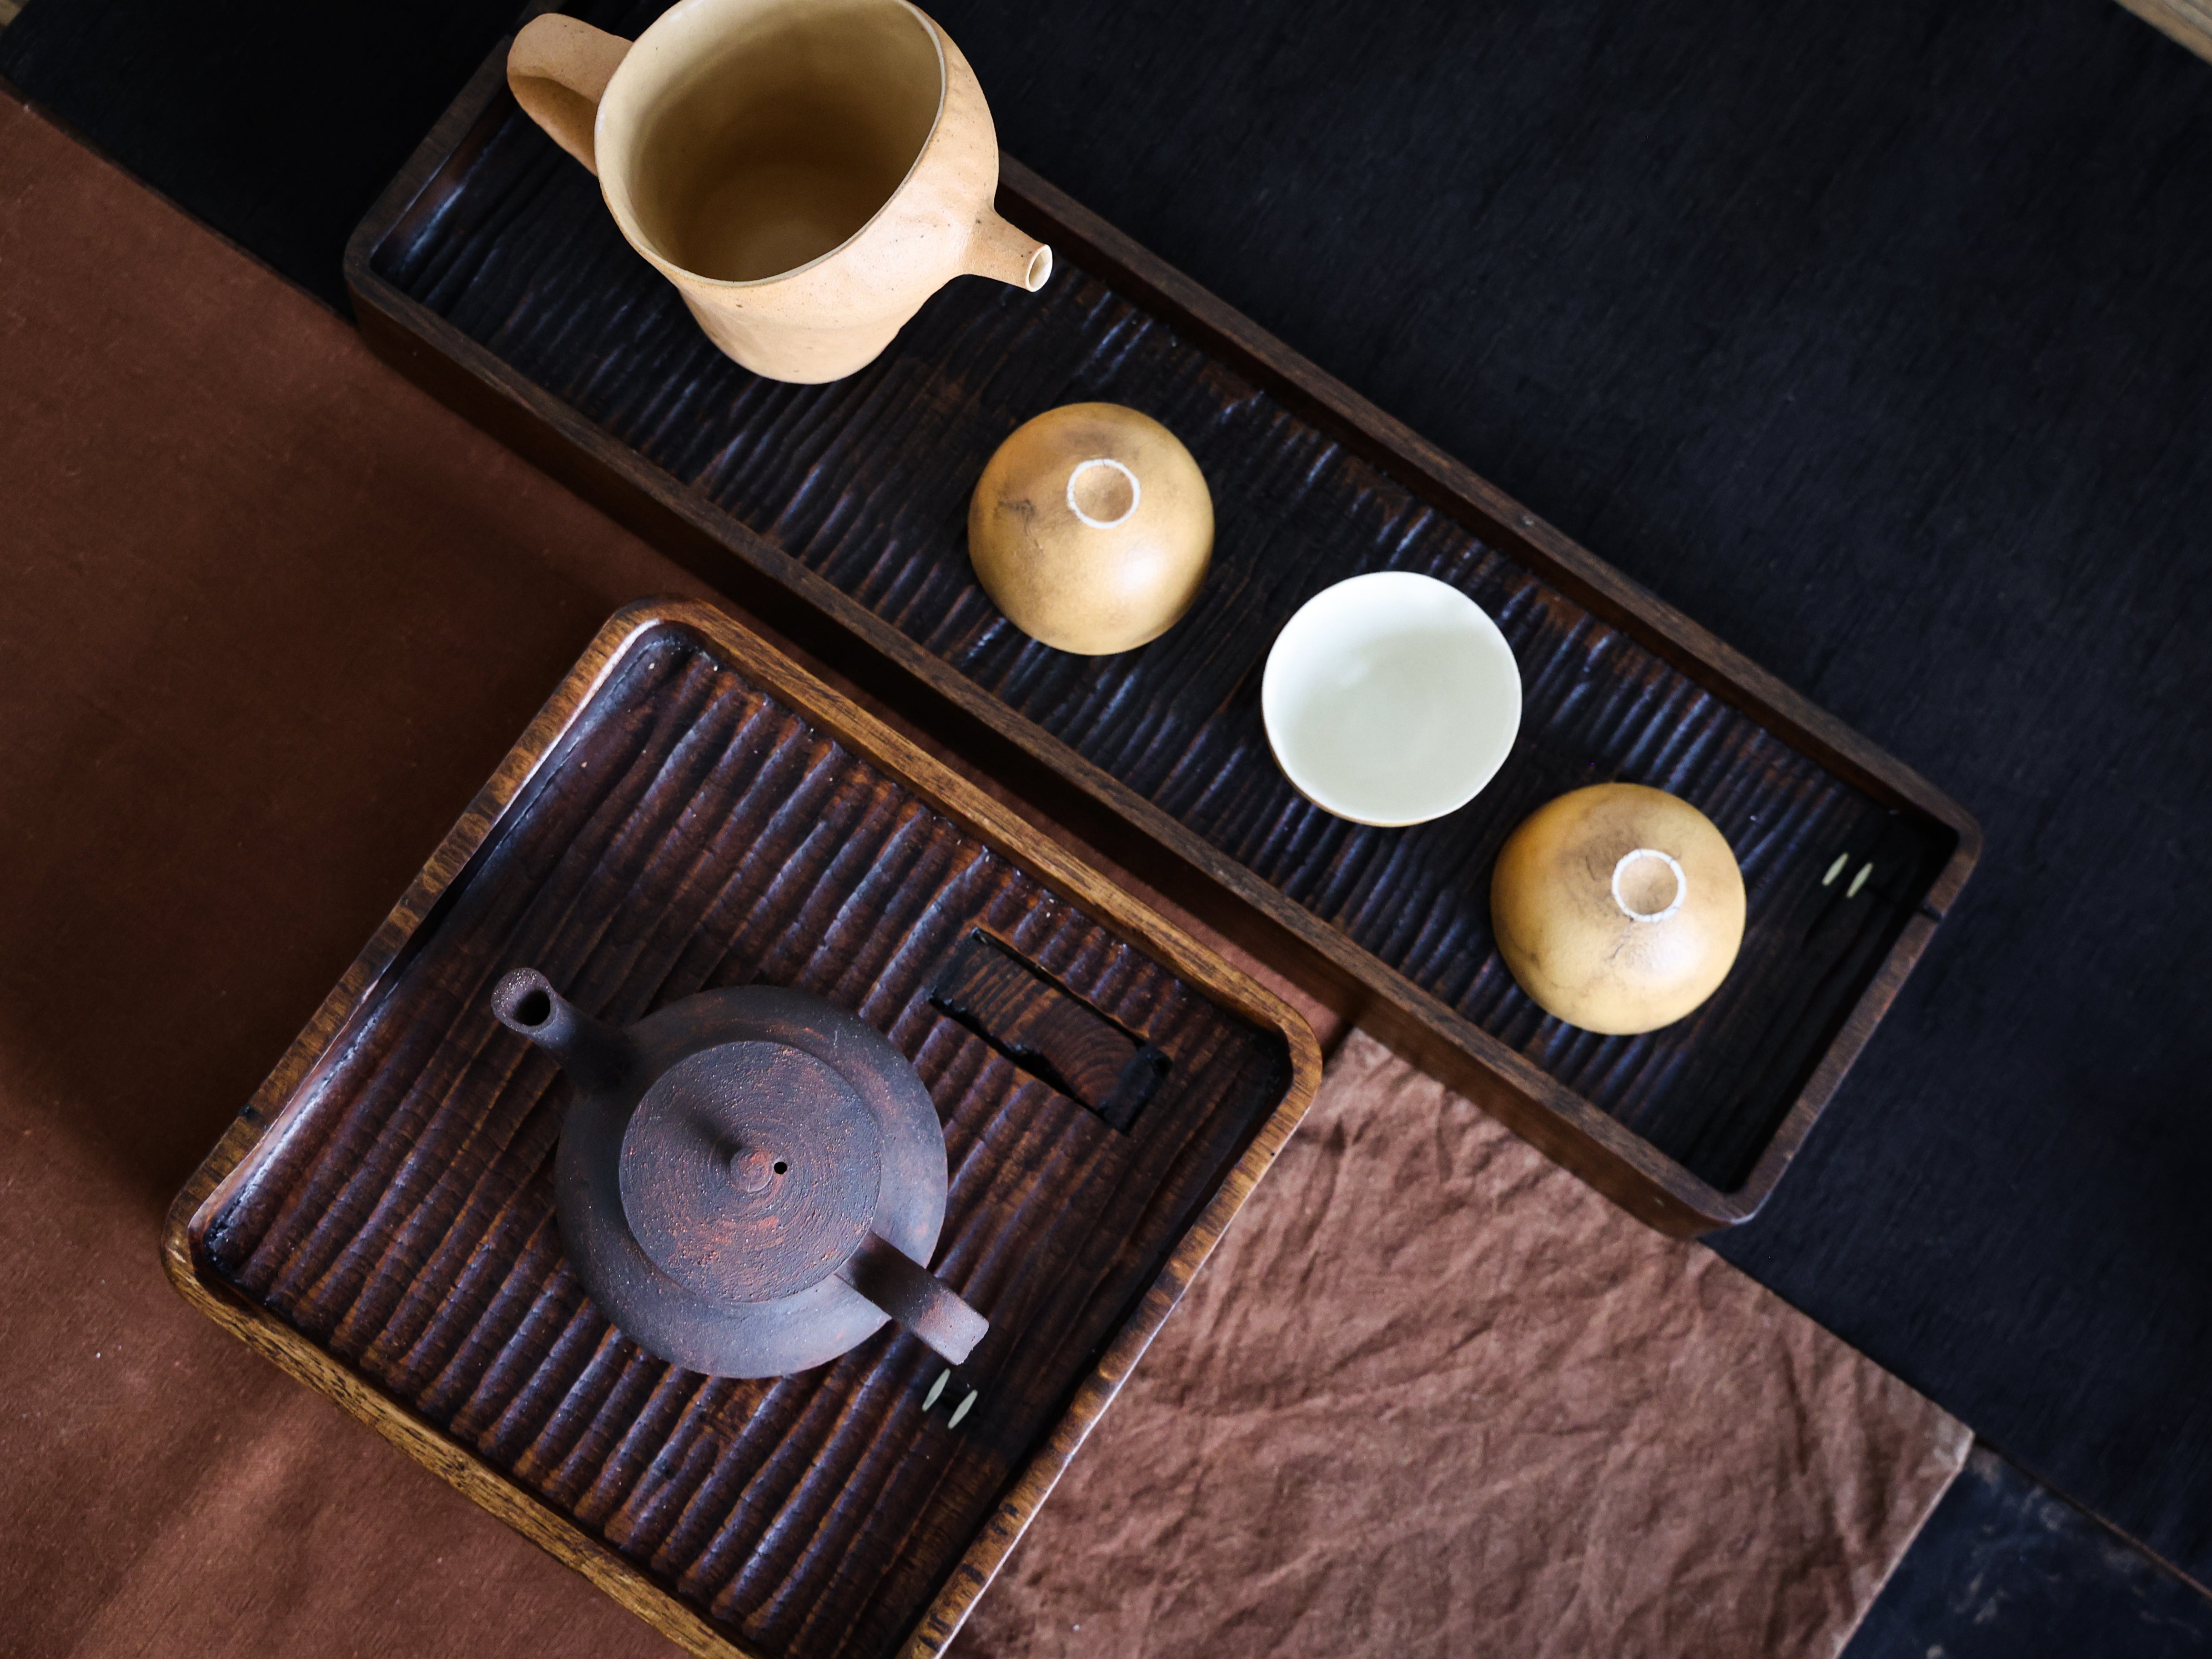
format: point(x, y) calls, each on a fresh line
point(690, 811)
point(1048, 1030)
point(491, 272)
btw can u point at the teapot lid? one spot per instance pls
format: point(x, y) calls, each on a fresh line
point(750, 1170)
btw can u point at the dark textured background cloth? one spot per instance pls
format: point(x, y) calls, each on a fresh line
point(1875, 336)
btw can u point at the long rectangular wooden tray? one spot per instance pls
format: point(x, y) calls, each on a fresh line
point(491, 272)
point(691, 810)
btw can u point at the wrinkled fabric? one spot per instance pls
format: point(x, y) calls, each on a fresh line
point(1434, 1396)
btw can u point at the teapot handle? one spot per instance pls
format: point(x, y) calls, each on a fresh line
point(558, 69)
point(917, 1298)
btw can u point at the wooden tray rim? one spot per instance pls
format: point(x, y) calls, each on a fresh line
point(1623, 1166)
point(276, 1105)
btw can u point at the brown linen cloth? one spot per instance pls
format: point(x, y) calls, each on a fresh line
point(268, 618)
point(1433, 1394)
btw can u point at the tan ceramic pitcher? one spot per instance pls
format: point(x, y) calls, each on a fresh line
point(806, 171)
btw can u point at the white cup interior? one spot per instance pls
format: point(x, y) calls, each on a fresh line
point(1391, 698)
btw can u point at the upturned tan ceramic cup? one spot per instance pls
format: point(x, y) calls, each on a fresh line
point(806, 171)
point(1091, 528)
point(1618, 907)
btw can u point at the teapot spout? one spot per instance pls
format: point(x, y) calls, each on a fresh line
point(997, 250)
point(597, 1056)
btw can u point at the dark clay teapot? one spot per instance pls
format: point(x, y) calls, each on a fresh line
point(750, 1180)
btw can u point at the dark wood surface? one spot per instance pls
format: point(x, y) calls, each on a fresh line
point(691, 811)
point(495, 253)
point(1875, 336)
point(1048, 1030)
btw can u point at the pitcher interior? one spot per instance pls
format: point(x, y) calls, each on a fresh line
point(749, 137)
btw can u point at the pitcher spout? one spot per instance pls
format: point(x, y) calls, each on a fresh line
point(997, 250)
point(597, 1056)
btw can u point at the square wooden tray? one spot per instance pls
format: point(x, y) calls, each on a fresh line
point(491, 272)
point(693, 810)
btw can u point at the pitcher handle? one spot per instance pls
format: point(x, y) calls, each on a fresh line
point(916, 1297)
point(558, 69)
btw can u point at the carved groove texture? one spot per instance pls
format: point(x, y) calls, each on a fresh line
point(695, 832)
point(865, 481)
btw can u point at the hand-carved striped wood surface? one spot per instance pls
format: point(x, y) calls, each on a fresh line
point(865, 481)
point(694, 832)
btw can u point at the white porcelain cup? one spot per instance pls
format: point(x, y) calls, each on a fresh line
point(1391, 698)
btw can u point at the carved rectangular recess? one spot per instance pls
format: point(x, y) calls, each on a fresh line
point(1048, 1030)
